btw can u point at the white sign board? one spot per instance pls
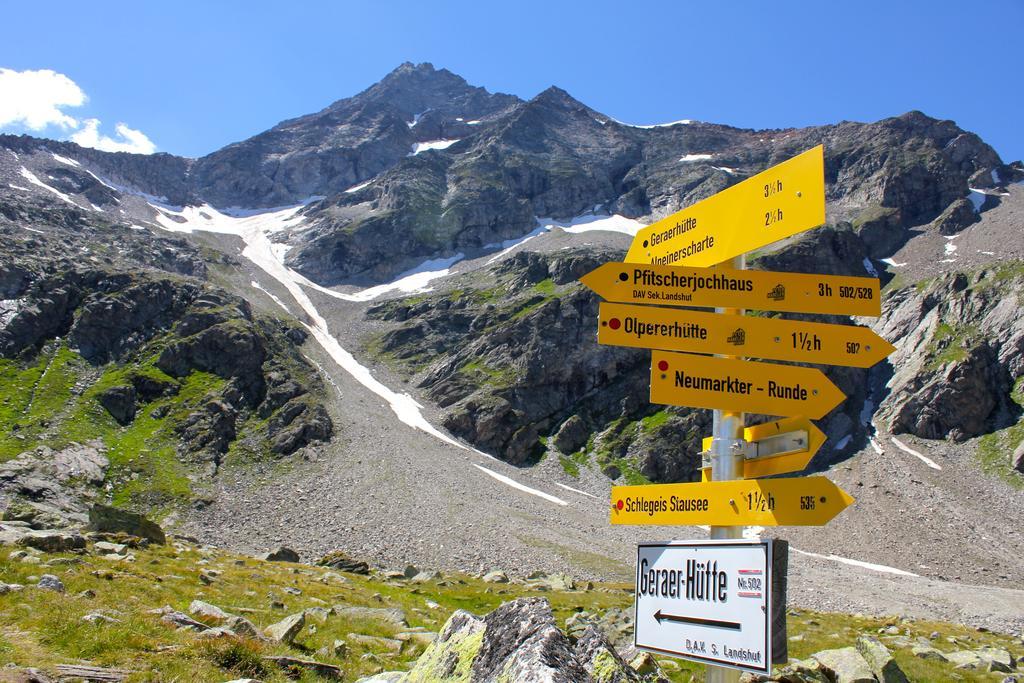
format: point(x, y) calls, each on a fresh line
point(708, 601)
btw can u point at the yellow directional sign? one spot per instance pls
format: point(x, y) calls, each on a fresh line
point(680, 379)
point(676, 329)
point(727, 288)
point(780, 462)
point(772, 205)
point(807, 501)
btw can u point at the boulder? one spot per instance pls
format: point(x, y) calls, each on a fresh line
point(179, 619)
point(392, 616)
point(957, 216)
point(342, 562)
point(572, 435)
point(455, 649)
point(198, 608)
point(392, 645)
point(1017, 458)
point(966, 659)
point(928, 652)
point(880, 660)
point(522, 642)
point(242, 627)
point(997, 659)
point(601, 662)
point(50, 541)
point(105, 547)
point(294, 667)
point(119, 401)
point(51, 582)
point(384, 677)
point(281, 554)
point(111, 519)
point(496, 576)
point(846, 664)
point(803, 671)
point(287, 629)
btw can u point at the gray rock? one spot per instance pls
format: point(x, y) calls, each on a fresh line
point(51, 541)
point(111, 519)
point(389, 615)
point(928, 652)
point(496, 576)
point(392, 645)
point(880, 660)
point(98, 618)
point(180, 619)
point(966, 659)
point(572, 435)
point(242, 627)
point(119, 401)
point(846, 664)
point(998, 659)
point(455, 649)
point(385, 677)
point(804, 671)
point(601, 662)
point(521, 641)
point(107, 547)
point(1017, 458)
point(318, 614)
point(343, 563)
point(281, 554)
point(287, 629)
point(51, 582)
point(288, 664)
point(957, 216)
point(199, 608)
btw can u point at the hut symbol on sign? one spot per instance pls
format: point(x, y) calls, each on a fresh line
point(778, 293)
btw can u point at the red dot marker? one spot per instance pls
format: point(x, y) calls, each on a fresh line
point(663, 365)
point(619, 505)
point(614, 323)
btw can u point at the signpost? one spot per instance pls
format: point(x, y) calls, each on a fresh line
point(762, 290)
point(713, 601)
point(776, 447)
point(802, 501)
point(673, 329)
point(784, 200)
point(681, 379)
point(722, 601)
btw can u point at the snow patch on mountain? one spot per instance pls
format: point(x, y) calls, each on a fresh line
point(65, 160)
point(32, 178)
point(590, 223)
point(431, 144)
point(680, 122)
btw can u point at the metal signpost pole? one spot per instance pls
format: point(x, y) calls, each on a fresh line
point(727, 463)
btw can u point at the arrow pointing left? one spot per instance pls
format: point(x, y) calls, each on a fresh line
point(731, 625)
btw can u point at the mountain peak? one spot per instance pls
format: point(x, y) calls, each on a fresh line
point(557, 98)
point(409, 68)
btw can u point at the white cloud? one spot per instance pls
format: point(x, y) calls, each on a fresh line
point(126, 139)
point(33, 99)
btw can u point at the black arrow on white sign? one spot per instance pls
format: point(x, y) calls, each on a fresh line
point(731, 625)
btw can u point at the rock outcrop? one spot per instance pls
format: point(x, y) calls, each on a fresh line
point(960, 351)
point(518, 641)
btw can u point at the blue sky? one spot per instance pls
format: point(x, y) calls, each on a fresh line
point(190, 77)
